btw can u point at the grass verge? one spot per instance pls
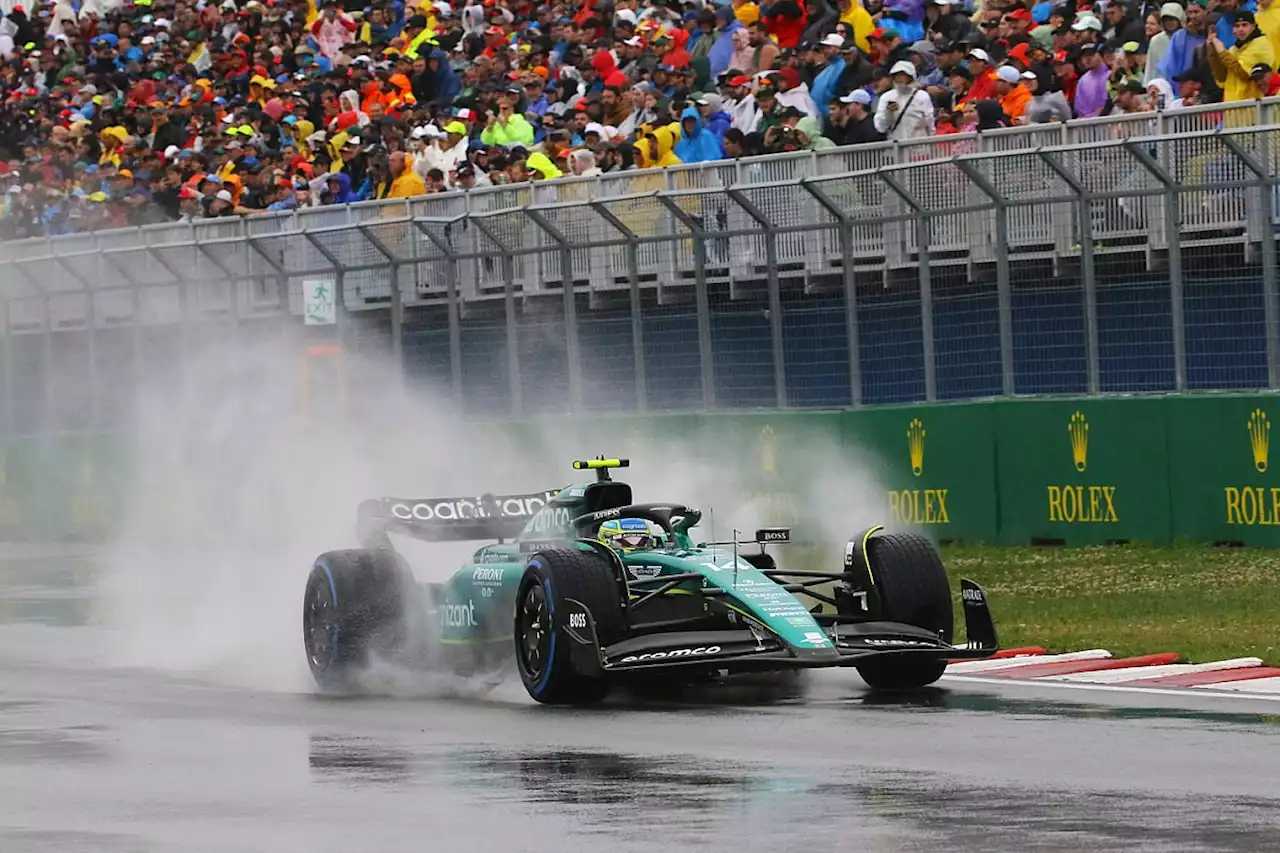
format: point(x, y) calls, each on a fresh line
point(1205, 603)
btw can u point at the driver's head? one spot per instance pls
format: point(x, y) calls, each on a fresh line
point(631, 534)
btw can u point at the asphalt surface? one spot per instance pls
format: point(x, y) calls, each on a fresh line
point(96, 755)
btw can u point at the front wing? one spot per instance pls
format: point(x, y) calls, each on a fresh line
point(757, 649)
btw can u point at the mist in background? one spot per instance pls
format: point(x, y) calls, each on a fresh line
point(256, 467)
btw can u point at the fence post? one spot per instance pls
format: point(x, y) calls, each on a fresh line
point(781, 399)
point(1004, 294)
point(1174, 250)
point(1261, 168)
point(702, 298)
point(850, 277)
point(508, 261)
point(452, 306)
point(924, 224)
point(397, 298)
point(572, 356)
point(1088, 275)
point(637, 319)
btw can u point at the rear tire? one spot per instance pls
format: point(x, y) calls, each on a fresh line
point(913, 589)
point(542, 644)
point(355, 606)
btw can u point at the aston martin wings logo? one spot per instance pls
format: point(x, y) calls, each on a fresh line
point(1078, 428)
point(1259, 439)
point(915, 445)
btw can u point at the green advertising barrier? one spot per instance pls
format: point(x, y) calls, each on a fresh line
point(1084, 471)
point(1077, 471)
point(935, 463)
point(1220, 469)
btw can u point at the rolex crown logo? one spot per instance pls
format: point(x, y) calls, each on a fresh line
point(1078, 428)
point(1259, 439)
point(768, 451)
point(915, 445)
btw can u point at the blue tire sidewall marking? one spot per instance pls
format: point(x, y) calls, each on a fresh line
point(333, 627)
point(551, 613)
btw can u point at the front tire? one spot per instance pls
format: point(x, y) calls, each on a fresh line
point(542, 643)
point(913, 588)
point(355, 606)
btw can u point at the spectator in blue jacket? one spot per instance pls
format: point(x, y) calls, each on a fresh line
point(827, 81)
point(697, 144)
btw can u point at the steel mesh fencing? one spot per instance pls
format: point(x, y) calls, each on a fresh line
point(1092, 257)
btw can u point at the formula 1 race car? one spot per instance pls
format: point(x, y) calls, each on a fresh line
point(590, 590)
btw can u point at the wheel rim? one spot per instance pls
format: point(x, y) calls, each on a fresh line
point(320, 626)
point(535, 630)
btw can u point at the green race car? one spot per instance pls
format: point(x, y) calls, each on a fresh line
point(590, 590)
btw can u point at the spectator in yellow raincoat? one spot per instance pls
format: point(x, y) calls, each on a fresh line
point(1232, 68)
point(655, 148)
point(405, 182)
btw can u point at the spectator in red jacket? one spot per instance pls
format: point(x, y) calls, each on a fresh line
point(786, 20)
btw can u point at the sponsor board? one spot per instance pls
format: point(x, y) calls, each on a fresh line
point(918, 506)
point(1081, 504)
point(1255, 505)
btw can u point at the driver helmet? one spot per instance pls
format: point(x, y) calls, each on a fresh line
point(631, 534)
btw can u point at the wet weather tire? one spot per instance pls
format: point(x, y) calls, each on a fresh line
point(913, 589)
point(355, 606)
point(542, 643)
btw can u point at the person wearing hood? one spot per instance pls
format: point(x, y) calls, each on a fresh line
point(8, 32)
point(696, 145)
point(339, 188)
point(1233, 67)
point(1184, 44)
point(905, 111)
point(743, 58)
point(794, 92)
point(811, 134)
point(678, 56)
point(1171, 18)
point(718, 120)
point(1160, 94)
point(539, 165)
point(445, 84)
point(1047, 101)
point(723, 48)
point(924, 57)
point(653, 149)
point(582, 163)
point(1267, 17)
point(405, 182)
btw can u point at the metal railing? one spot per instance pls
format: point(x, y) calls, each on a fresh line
point(960, 266)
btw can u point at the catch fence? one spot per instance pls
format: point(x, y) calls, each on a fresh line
point(1134, 254)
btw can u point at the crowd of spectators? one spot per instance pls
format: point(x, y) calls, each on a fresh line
point(131, 113)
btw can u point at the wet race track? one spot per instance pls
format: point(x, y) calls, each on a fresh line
point(99, 756)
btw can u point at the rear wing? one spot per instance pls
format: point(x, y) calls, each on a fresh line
point(447, 519)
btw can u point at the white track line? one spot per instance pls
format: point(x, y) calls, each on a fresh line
point(1214, 689)
point(1135, 673)
point(1261, 686)
point(973, 666)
